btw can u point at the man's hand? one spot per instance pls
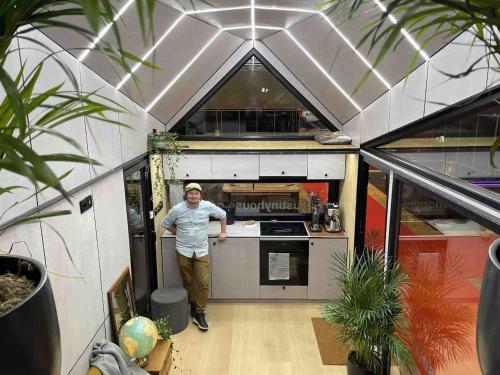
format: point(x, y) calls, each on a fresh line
point(222, 236)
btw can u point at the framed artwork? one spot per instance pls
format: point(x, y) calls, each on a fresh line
point(121, 302)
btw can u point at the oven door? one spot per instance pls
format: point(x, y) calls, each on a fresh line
point(284, 261)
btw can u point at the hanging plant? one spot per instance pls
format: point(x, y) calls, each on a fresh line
point(168, 144)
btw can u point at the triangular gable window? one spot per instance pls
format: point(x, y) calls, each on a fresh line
point(252, 102)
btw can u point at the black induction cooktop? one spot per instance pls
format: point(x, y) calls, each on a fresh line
point(282, 228)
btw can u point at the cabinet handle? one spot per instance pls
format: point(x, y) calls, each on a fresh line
point(235, 175)
point(214, 243)
point(312, 243)
point(187, 174)
point(282, 172)
point(284, 287)
point(326, 174)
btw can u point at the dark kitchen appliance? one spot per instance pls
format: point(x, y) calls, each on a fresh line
point(315, 215)
point(284, 261)
point(283, 228)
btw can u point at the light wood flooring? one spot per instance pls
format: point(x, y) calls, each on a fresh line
point(252, 339)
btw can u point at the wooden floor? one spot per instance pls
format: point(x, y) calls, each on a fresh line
point(252, 339)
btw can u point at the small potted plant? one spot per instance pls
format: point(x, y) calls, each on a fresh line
point(368, 315)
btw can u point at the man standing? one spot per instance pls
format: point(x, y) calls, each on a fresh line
point(188, 220)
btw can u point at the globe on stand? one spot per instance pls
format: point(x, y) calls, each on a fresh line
point(137, 338)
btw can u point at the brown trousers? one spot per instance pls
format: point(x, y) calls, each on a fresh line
point(195, 273)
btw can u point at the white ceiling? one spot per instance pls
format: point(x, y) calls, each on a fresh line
point(320, 54)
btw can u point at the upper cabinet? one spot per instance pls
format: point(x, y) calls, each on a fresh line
point(283, 165)
point(190, 166)
point(235, 167)
point(325, 166)
point(251, 167)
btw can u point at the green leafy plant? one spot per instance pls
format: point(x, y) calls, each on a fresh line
point(369, 312)
point(428, 20)
point(168, 144)
point(26, 114)
point(163, 327)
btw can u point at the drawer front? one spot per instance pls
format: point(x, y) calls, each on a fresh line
point(191, 167)
point(235, 167)
point(283, 292)
point(283, 165)
point(325, 166)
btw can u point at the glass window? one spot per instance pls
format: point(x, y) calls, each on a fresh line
point(252, 102)
point(376, 207)
point(457, 147)
point(444, 254)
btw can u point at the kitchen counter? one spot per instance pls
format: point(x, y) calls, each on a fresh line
point(239, 229)
point(324, 233)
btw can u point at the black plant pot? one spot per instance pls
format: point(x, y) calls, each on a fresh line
point(488, 321)
point(29, 333)
point(354, 368)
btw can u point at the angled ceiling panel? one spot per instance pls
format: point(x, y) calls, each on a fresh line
point(247, 33)
point(303, 4)
point(305, 71)
point(171, 56)
point(233, 18)
point(336, 57)
point(190, 5)
point(279, 18)
point(196, 76)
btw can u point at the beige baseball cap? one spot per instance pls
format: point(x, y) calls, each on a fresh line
point(191, 186)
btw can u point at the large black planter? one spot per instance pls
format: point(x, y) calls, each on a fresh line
point(29, 333)
point(488, 317)
point(354, 368)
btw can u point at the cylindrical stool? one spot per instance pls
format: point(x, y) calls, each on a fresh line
point(172, 303)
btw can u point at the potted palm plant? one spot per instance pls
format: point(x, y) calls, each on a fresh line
point(29, 338)
point(369, 312)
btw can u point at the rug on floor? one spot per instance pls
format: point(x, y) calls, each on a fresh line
point(332, 352)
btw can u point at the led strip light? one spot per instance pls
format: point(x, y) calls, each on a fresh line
point(405, 33)
point(214, 10)
point(179, 75)
point(104, 31)
point(252, 16)
point(325, 73)
point(147, 54)
point(361, 57)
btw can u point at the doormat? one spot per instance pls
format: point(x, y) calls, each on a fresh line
point(332, 352)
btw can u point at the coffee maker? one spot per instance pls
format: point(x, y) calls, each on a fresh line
point(332, 221)
point(315, 215)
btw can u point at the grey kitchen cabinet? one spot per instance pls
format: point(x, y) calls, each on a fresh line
point(322, 284)
point(235, 268)
point(235, 167)
point(190, 167)
point(283, 165)
point(325, 166)
point(171, 273)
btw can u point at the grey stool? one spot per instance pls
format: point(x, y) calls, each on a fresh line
point(171, 302)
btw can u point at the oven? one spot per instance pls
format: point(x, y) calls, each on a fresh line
point(284, 261)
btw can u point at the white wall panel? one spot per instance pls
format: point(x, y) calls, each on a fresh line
point(112, 230)
point(353, 129)
point(455, 58)
point(134, 138)
point(408, 98)
point(26, 240)
point(78, 301)
point(52, 75)
point(81, 367)
point(493, 75)
point(376, 118)
point(103, 138)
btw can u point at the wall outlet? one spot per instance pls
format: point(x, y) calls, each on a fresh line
point(85, 204)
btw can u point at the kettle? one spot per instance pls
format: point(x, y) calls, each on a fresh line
point(332, 220)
